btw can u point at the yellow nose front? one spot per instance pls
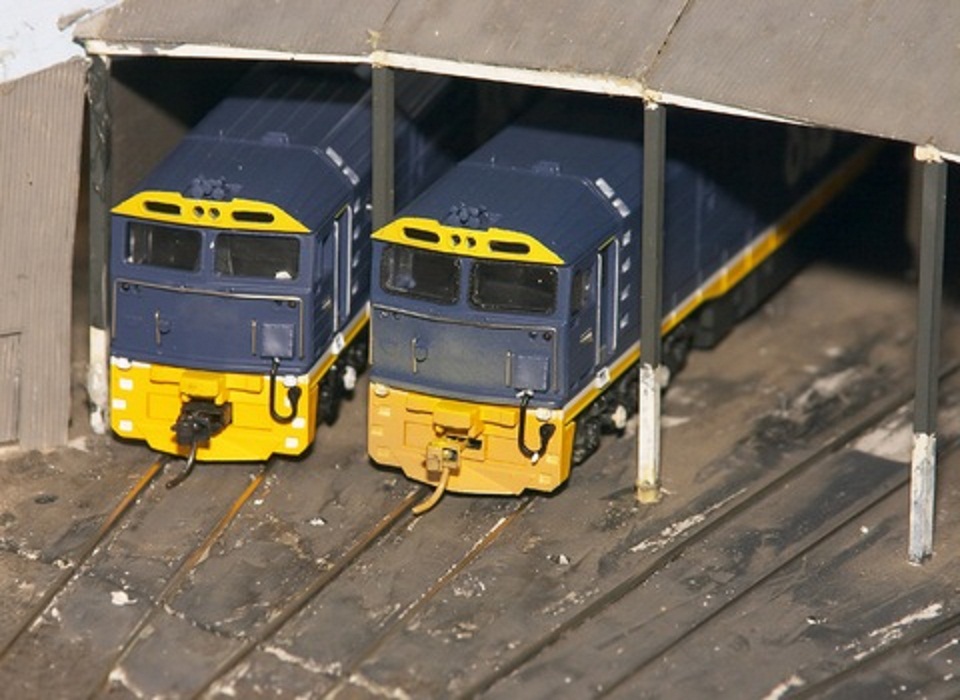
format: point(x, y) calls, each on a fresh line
point(449, 416)
point(197, 384)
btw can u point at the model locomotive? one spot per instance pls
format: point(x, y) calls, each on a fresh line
point(505, 308)
point(240, 266)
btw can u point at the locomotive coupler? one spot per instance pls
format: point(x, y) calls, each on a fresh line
point(200, 420)
point(442, 459)
point(441, 454)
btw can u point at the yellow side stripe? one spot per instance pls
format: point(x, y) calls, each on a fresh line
point(772, 239)
point(349, 334)
point(749, 259)
point(590, 392)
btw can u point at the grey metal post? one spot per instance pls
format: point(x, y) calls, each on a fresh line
point(651, 307)
point(100, 196)
point(383, 145)
point(924, 457)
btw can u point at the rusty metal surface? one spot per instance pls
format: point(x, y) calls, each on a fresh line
point(605, 39)
point(41, 118)
point(327, 27)
point(884, 68)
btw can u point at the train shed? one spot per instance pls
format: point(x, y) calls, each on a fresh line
point(883, 70)
point(797, 489)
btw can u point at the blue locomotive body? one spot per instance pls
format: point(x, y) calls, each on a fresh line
point(505, 308)
point(240, 266)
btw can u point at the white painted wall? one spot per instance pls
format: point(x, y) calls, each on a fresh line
point(37, 34)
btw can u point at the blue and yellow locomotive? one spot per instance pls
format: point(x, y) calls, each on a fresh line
point(505, 305)
point(240, 266)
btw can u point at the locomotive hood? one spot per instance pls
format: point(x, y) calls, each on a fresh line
point(207, 330)
point(495, 361)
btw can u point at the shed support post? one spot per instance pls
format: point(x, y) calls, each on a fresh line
point(383, 145)
point(100, 197)
point(651, 306)
point(924, 458)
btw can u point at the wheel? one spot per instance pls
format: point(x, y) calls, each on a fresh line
point(358, 352)
point(586, 438)
point(676, 348)
point(328, 404)
point(628, 391)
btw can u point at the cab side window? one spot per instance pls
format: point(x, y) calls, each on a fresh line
point(581, 291)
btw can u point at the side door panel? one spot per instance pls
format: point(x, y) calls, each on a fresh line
point(608, 288)
point(343, 238)
point(324, 290)
point(583, 324)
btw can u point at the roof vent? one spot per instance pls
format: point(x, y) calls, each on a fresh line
point(216, 188)
point(468, 217)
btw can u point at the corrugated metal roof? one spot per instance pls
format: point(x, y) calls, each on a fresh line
point(605, 41)
point(883, 67)
point(41, 119)
point(330, 30)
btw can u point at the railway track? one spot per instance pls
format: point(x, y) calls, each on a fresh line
point(186, 566)
point(927, 640)
point(411, 610)
point(83, 555)
point(342, 558)
point(678, 549)
point(282, 616)
point(581, 594)
point(96, 561)
point(399, 522)
point(349, 670)
point(402, 515)
point(896, 488)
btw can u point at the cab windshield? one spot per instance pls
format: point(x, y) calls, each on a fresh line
point(511, 286)
point(421, 274)
point(268, 257)
point(162, 246)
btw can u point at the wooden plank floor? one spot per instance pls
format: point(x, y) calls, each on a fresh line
point(774, 567)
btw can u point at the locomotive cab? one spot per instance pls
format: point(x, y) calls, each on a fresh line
point(222, 322)
point(498, 316)
point(478, 389)
point(240, 266)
